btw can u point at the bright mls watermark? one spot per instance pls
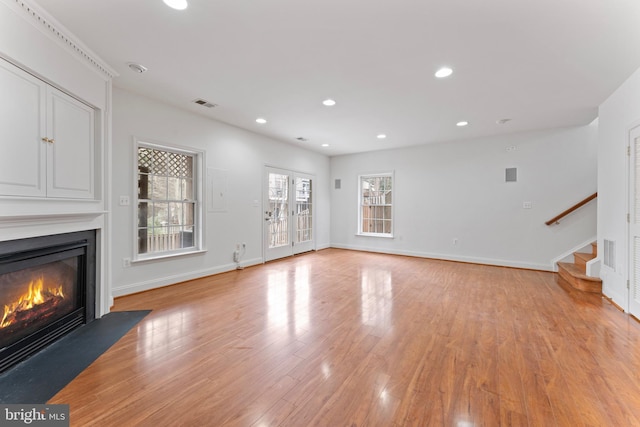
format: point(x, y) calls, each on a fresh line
point(34, 415)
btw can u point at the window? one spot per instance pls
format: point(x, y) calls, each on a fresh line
point(375, 205)
point(167, 199)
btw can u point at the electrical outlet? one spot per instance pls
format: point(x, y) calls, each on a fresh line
point(124, 200)
point(527, 205)
point(126, 262)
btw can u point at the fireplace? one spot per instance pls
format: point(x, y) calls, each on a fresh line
point(47, 289)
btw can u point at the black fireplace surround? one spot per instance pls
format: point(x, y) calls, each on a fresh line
point(47, 289)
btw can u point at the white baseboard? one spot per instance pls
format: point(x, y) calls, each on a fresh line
point(177, 278)
point(448, 257)
point(593, 267)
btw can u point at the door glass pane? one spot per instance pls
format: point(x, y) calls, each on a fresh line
point(278, 227)
point(304, 210)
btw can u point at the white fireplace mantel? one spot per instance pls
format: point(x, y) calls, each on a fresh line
point(37, 224)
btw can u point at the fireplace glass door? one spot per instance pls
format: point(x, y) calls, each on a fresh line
point(39, 295)
point(47, 289)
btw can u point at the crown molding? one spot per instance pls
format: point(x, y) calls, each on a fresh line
point(49, 26)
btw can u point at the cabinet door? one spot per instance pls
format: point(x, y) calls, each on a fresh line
point(70, 160)
point(22, 127)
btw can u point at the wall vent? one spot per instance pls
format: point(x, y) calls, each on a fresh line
point(609, 255)
point(205, 103)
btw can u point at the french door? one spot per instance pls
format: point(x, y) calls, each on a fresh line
point(288, 213)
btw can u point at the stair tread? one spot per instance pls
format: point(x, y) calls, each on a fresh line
point(577, 272)
point(584, 256)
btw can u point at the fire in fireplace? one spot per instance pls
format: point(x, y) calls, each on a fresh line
point(36, 296)
point(39, 302)
point(47, 288)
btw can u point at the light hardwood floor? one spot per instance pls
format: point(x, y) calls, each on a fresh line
point(345, 338)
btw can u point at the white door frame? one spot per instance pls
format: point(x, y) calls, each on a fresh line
point(633, 225)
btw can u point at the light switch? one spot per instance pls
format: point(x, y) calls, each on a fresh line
point(124, 200)
point(527, 205)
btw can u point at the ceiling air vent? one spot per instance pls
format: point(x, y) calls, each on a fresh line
point(204, 103)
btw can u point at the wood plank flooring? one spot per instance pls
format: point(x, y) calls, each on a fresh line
point(345, 338)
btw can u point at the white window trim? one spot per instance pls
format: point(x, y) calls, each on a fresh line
point(199, 183)
point(393, 204)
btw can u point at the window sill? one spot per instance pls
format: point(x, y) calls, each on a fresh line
point(385, 236)
point(167, 256)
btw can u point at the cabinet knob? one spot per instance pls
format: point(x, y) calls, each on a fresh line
point(45, 139)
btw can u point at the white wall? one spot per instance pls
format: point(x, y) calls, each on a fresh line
point(458, 190)
point(26, 40)
point(26, 43)
point(241, 153)
point(34, 41)
point(618, 115)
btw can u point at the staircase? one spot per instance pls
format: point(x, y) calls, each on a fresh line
point(575, 273)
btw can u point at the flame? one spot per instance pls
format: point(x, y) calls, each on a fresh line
point(35, 295)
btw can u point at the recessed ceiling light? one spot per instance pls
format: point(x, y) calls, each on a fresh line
point(176, 4)
point(261, 120)
point(329, 102)
point(325, 145)
point(462, 123)
point(138, 68)
point(382, 136)
point(444, 72)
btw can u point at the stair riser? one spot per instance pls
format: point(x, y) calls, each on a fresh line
point(580, 284)
point(587, 286)
point(575, 274)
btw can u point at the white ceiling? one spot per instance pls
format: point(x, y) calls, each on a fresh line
point(541, 63)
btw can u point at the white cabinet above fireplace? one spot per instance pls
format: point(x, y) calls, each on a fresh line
point(47, 139)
